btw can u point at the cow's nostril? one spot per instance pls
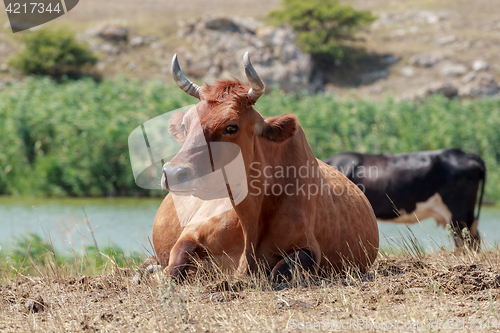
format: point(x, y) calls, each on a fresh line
point(183, 175)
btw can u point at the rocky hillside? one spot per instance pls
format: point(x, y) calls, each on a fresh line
point(414, 48)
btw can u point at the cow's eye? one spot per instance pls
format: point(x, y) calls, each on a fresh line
point(183, 129)
point(231, 129)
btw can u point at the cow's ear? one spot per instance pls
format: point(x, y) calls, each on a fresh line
point(175, 127)
point(279, 128)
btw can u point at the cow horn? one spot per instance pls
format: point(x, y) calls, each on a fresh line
point(257, 86)
point(182, 81)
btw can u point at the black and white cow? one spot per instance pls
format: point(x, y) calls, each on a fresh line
point(442, 184)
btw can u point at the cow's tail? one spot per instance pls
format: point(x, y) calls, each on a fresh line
point(483, 179)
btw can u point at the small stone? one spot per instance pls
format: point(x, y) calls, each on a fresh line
point(464, 45)
point(4, 67)
point(453, 70)
point(483, 85)
point(150, 38)
point(432, 19)
point(221, 23)
point(35, 304)
point(137, 41)
point(407, 71)
point(423, 60)
point(112, 32)
point(111, 49)
point(469, 77)
point(413, 29)
point(291, 304)
point(446, 89)
point(480, 65)
point(155, 45)
point(446, 40)
point(216, 297)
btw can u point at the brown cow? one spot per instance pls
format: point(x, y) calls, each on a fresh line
point(315, 216)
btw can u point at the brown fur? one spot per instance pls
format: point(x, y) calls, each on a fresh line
point(335, 229)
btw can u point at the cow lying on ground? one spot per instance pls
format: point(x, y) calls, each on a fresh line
point(294, 215)
point(442, 184)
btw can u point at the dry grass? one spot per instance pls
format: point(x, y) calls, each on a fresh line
point(409, 287)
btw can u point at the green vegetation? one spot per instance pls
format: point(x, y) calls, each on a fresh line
point(322, 26)
point(54, 53)
point(70, 139)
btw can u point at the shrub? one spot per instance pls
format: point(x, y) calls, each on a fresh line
point(322, 26)
point(54, 53)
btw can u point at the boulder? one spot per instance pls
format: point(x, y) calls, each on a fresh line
point(216, 47)
point(483, 85)
point(480, 65)
point(112, 32)
point(137, 41)
point(445, 40)
point(446, 88)
point(423, 60)
point(407, 71)
point(453, 70)
point(469, 77)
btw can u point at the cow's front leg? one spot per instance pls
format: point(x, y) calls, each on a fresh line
point(248, 261)
point(182, 257)
point(298, 260)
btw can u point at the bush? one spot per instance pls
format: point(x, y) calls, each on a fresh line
point(322, 26)
point(54, 53)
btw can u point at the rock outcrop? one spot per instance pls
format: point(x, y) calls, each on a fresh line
point(216, 48)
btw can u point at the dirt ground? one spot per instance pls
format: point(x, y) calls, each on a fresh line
point(445, 291)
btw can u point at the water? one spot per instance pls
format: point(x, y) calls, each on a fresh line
point(127, 222)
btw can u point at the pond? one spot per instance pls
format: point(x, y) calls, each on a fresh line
point(127, 222)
